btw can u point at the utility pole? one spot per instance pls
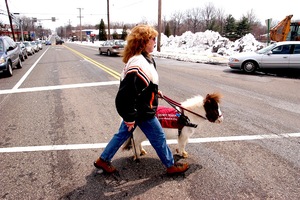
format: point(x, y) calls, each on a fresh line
point(108, 24)
point(19, 22)
point(10, 21)
point(159, 25)
point(80, 23)
point(21, 26)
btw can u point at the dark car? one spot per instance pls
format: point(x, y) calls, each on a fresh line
point(112, 47)
point(9, 55)
point(24, 53)
point(59, 42)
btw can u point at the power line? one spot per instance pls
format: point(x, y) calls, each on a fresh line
point(131, 4)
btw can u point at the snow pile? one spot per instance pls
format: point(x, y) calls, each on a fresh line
point(205, 47)
point(201, 47)
point(246, 44)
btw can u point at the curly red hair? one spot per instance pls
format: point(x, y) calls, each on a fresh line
point(137, 41)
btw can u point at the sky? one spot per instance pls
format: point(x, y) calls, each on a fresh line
point(134, 11)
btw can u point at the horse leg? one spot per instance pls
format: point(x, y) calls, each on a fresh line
point(182, 141)
point(143, 151)
point(181, 147)
point(138, 149)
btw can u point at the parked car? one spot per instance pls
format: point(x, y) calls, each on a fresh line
point(280, 55)
point(23, 53)
point(112, 47)
point(9, 55)
point(39, 44)
point(48, 42)
point(29, 47)
point(35, 46)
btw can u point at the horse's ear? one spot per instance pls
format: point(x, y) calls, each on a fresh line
point(206, 98)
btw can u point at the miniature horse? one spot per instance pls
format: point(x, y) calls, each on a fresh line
point(200, 107)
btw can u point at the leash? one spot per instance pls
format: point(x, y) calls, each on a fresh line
point(133, 143)
point(175, 104)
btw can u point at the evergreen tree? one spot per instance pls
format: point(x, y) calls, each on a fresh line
point(230, 28)
point(212, 25)
point(243, 27)
point(167, 30)
point(102, 32)
point(115, 35)
point(124, 33)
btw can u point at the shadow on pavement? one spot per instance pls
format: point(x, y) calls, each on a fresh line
point(284, 73)
point(132, 179)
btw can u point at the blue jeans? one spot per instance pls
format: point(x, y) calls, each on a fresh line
point(153, 131)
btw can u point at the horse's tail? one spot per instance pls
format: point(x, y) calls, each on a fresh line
point(127, 145)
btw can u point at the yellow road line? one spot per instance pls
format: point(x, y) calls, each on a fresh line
point(101, 66)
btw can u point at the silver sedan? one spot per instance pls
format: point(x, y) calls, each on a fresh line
point(280, 55)
point(112, 47)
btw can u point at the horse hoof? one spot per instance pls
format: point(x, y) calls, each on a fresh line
point(185, 155)
point(143, 152)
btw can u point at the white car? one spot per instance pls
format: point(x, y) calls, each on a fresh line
point(39, 44)
point(279, 55)
point(35, 46)
point(29, 47)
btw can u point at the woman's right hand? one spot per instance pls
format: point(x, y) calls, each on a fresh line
point(130, 125)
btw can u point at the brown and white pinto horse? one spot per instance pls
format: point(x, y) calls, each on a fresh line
point(208, 107)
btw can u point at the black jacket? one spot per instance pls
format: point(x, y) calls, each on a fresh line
point(137, 97)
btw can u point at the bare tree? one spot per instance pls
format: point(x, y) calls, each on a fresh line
point(220, 20)
point(177, 18)
point(144, 20)
point(27, 23)
point(252, 19)
point(208, 14)
point(193, 19)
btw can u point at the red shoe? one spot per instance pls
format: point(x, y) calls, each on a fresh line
point(106, 166)
point(177, 168)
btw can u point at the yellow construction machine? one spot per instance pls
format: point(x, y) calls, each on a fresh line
point(286, 30)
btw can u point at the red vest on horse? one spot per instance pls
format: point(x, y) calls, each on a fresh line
point(168, 117)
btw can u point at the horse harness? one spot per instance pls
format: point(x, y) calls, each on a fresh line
point(183, 120)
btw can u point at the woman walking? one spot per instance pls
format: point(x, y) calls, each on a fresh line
point(137, 101)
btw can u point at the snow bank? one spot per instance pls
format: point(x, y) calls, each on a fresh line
point(205, 47)
point(201, 47)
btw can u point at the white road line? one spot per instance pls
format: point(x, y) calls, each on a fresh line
point(58, 87)
point(16, 88)
point(103, 145)
point(28, 72)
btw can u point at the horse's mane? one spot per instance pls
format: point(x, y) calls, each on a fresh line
point(192, 101)
point(214, 96)
point(199, 99)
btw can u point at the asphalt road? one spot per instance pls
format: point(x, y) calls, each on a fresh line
point(57, 113)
